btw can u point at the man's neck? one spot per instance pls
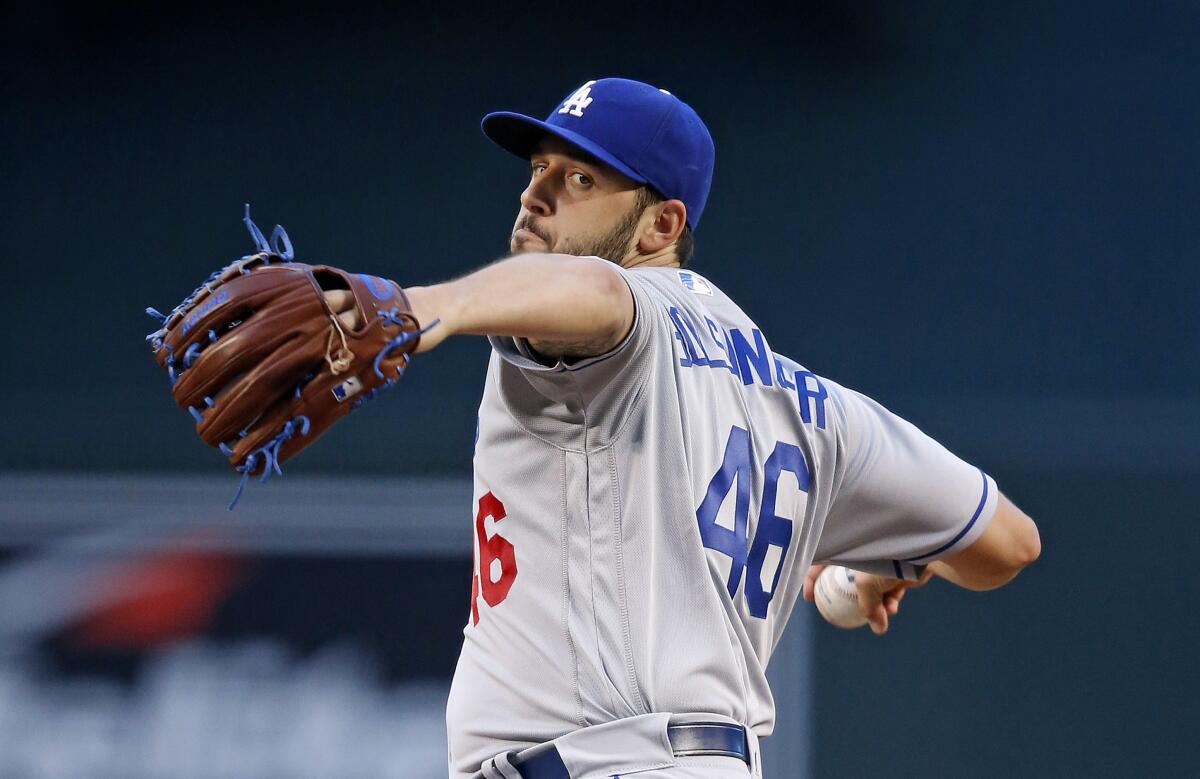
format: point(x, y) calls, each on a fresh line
point(662, 259)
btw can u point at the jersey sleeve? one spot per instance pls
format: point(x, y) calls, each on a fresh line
point(902, 499)
point(599, 390)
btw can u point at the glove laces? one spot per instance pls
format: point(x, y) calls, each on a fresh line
point(269, 452)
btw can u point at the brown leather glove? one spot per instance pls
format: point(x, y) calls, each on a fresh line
point(264, 365)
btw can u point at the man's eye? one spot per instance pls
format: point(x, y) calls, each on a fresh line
point(581, 179)
point(538, 169)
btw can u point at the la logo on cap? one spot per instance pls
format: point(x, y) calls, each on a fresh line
point(578, 101)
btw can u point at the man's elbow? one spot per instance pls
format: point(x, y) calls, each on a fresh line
point(1023, 543)
point(1009, 544)
point(1023, 547)
point(1029, 546)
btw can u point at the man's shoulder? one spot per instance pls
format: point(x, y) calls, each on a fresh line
point(674, 278)
point(682, 288)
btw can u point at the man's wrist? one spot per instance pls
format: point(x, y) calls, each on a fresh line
point(428, 305)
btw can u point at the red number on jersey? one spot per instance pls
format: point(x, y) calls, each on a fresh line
point(494, 552)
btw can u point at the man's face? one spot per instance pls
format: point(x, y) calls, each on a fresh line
point(575, 205)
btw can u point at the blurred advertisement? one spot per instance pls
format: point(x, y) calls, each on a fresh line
point(222, 649)
point(244, 709)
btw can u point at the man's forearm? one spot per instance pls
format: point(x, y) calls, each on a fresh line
point(548, 298)
point(975, 580)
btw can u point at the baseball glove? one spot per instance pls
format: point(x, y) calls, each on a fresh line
point(265, 366)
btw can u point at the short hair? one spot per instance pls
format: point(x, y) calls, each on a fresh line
point(685, 244)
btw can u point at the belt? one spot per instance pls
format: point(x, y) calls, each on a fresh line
point(694, 738)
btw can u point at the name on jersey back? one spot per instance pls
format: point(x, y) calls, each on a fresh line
point(748, 359)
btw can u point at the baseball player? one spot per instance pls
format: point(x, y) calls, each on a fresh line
point(653, 481)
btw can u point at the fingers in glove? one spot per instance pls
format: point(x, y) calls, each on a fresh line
point(241, 416)
point(233, 355)
point(339, 300)
point(261, 380)
point(342, 303)
point(230, 306)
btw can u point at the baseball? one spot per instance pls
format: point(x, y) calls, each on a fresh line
point(837, 598)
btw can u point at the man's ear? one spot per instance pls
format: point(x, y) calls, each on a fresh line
point(662, 224)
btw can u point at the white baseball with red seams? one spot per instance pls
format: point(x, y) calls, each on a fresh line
point(836, 597)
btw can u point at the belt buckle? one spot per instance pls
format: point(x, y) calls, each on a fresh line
point(722, 739)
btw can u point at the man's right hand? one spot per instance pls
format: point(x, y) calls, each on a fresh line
point(878, 596)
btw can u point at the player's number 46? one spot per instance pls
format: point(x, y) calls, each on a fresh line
point(771, 530)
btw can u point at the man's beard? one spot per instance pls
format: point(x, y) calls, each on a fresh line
point(612, 247)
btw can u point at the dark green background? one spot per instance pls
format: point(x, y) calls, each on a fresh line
point(984, 215)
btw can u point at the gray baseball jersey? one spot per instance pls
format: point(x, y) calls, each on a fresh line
point(644, 520)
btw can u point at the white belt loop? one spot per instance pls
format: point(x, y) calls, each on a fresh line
point(621, 746)
point(499, 768)
point(755, 754)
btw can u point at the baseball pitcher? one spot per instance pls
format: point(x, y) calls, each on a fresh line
point(653, 482)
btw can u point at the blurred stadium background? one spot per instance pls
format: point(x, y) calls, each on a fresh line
point(983, 215)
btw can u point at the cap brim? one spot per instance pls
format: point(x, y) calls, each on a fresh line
point(519, 134)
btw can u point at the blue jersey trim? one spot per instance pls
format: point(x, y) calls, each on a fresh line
point(978, 510)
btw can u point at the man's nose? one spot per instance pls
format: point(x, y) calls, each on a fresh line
point(536, 199)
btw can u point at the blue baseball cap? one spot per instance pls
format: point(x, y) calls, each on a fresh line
point(646, 133)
